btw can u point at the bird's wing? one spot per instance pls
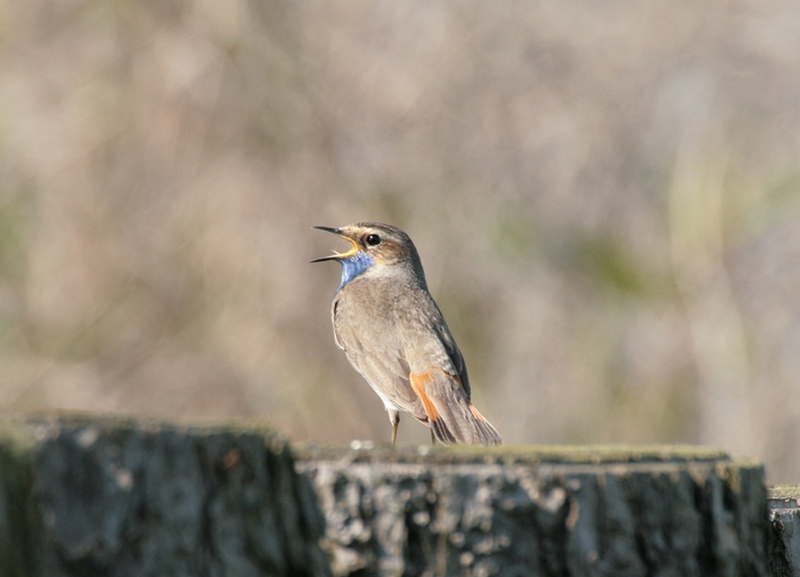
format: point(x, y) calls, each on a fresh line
point(439, 378)
point(459, 367)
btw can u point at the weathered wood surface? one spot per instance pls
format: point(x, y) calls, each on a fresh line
point(784, 553)
point(90, 497)
point(104, 497)
point(549, 512)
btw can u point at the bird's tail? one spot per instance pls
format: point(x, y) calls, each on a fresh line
point(487, 434)
point(451, 415)
point(468, 428)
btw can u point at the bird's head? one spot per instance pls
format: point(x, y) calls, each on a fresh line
point(374, 247)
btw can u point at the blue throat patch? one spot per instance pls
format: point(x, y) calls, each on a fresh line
point(354, 266)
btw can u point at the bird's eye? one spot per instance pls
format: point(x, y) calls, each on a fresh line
point(373, 240)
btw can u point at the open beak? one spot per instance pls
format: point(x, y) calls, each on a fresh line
point(337, 255)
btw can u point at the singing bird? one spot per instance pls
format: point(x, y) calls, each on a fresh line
point(394, 334)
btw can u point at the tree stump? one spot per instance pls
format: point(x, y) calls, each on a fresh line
point(86, 497)
point(784, 553)
point(622, 511)
point(112, 497)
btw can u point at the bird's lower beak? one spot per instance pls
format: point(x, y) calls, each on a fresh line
point(336, 255)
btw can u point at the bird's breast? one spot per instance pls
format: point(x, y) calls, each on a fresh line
point(385, 305)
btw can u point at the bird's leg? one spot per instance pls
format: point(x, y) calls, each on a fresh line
point(394, 418)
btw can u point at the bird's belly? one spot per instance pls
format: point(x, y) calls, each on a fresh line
point(387, 403)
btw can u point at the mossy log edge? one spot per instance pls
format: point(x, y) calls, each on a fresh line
point(89, 496)
point(82, 495)
point(784, 551)
point(541, 511)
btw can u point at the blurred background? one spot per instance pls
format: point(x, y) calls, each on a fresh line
point(605, 195)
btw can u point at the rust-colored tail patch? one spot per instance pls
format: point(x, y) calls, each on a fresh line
point(476, 413)
point(418, 382)
point(451, 415)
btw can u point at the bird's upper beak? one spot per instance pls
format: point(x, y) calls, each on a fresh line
point(336, 255)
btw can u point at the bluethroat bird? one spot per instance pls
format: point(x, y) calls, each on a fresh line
point(394, 335)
